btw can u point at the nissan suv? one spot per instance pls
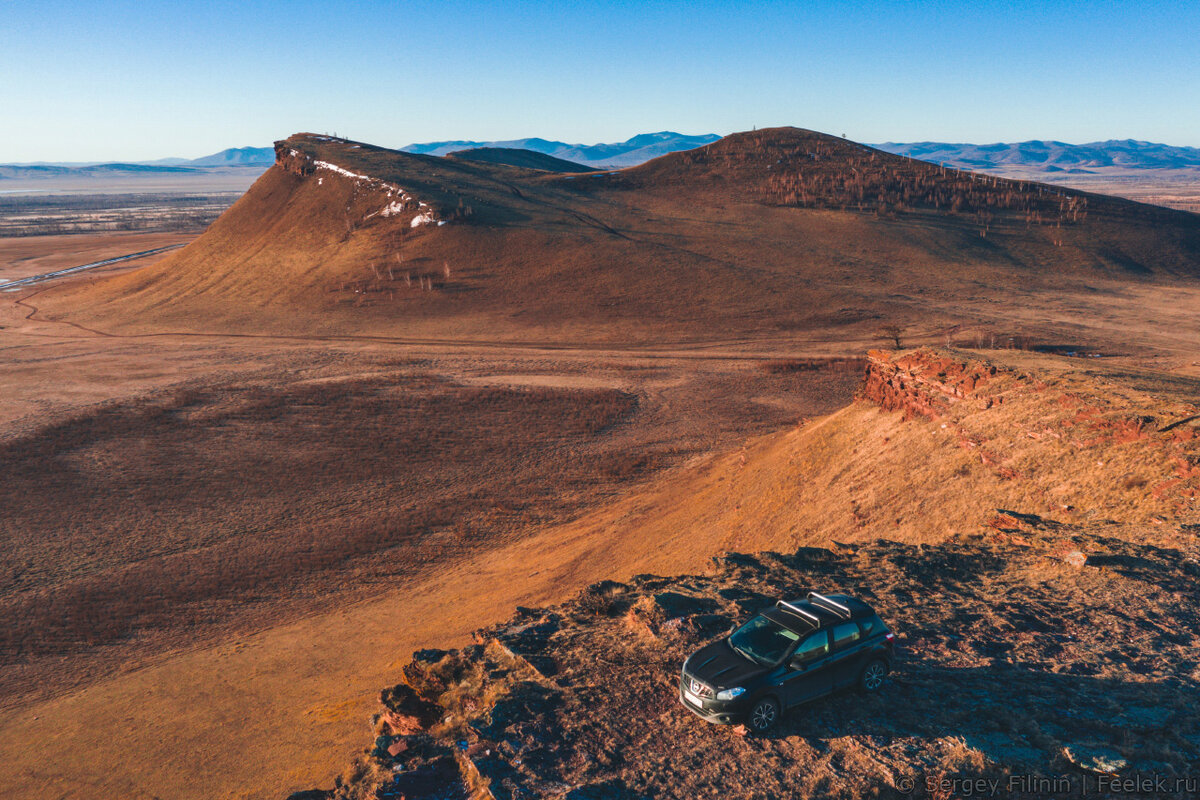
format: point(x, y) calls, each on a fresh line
point(787, 655)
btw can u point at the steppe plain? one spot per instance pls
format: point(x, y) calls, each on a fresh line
point(336, 497)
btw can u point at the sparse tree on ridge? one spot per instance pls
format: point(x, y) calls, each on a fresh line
point(892, 333)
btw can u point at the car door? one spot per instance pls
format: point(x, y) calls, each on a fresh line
point(847, 653)
point(806, 672)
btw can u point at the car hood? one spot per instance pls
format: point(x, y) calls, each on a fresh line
point(721, 667)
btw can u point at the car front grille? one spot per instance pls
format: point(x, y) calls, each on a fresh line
point(697, 687)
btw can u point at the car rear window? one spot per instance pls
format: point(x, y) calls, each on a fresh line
point(871, 625)
point(845, 634)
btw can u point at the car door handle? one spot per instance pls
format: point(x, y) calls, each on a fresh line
point(797, 672)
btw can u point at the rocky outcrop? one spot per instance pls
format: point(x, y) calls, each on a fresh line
point(922, 383)
point(564, 702)
point(292, 160)
point(1037, 421)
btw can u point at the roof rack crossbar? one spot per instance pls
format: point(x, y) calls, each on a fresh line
point(833, 605)
point(797, 610)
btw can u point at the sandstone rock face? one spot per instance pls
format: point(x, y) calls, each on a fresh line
point(405, 712)
point(922, 383)
point(293, 161)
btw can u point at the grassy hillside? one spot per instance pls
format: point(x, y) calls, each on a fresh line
point(1028, 528)
point(923, 464)
point(528, 159)
point(779, 232)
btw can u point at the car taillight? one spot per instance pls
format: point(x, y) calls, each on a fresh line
point(890, 638)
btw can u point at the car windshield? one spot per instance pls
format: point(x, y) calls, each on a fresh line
point(763, 641)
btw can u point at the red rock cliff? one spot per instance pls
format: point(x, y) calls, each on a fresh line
point(921, 383)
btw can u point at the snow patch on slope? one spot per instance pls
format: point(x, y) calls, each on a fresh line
point(399, 200)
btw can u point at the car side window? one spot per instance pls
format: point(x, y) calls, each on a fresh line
point(812, 648)
point(845, 634)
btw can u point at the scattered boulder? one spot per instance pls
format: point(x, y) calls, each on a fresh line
point(405, 711)
point(400, 724)
point(1097, 758)
point(665, 612)
point(529, 637)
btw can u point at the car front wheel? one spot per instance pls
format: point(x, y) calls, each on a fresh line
point(764, 714)
point(872, 676)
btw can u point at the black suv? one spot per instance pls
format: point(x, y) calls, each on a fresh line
point(787, 655)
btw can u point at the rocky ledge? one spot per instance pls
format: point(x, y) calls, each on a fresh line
point(1042, 651)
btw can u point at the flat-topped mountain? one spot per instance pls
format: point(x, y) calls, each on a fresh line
point(781, 231)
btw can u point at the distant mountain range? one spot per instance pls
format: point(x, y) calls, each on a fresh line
point(260, 157)
point(1051, 156)
point(637, 150)
point(634, 151)
point(1046, 157)
point(237, 156)
point(86, 170)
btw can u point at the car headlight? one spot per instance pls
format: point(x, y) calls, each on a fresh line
point(730, 694)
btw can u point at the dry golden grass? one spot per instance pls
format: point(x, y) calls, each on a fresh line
point(255, 655)
point(863, 473)
point(135, 526)
point(780, 489)
point(150, 515)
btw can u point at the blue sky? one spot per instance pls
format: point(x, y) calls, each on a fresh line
point(139, 80)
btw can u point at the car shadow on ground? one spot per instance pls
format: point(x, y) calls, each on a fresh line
point(1015, 715)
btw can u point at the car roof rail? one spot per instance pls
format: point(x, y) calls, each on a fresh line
point(797, 610)
point(831, 604)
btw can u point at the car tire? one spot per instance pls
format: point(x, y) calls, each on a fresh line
point(871, 678)
point(764, 714)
